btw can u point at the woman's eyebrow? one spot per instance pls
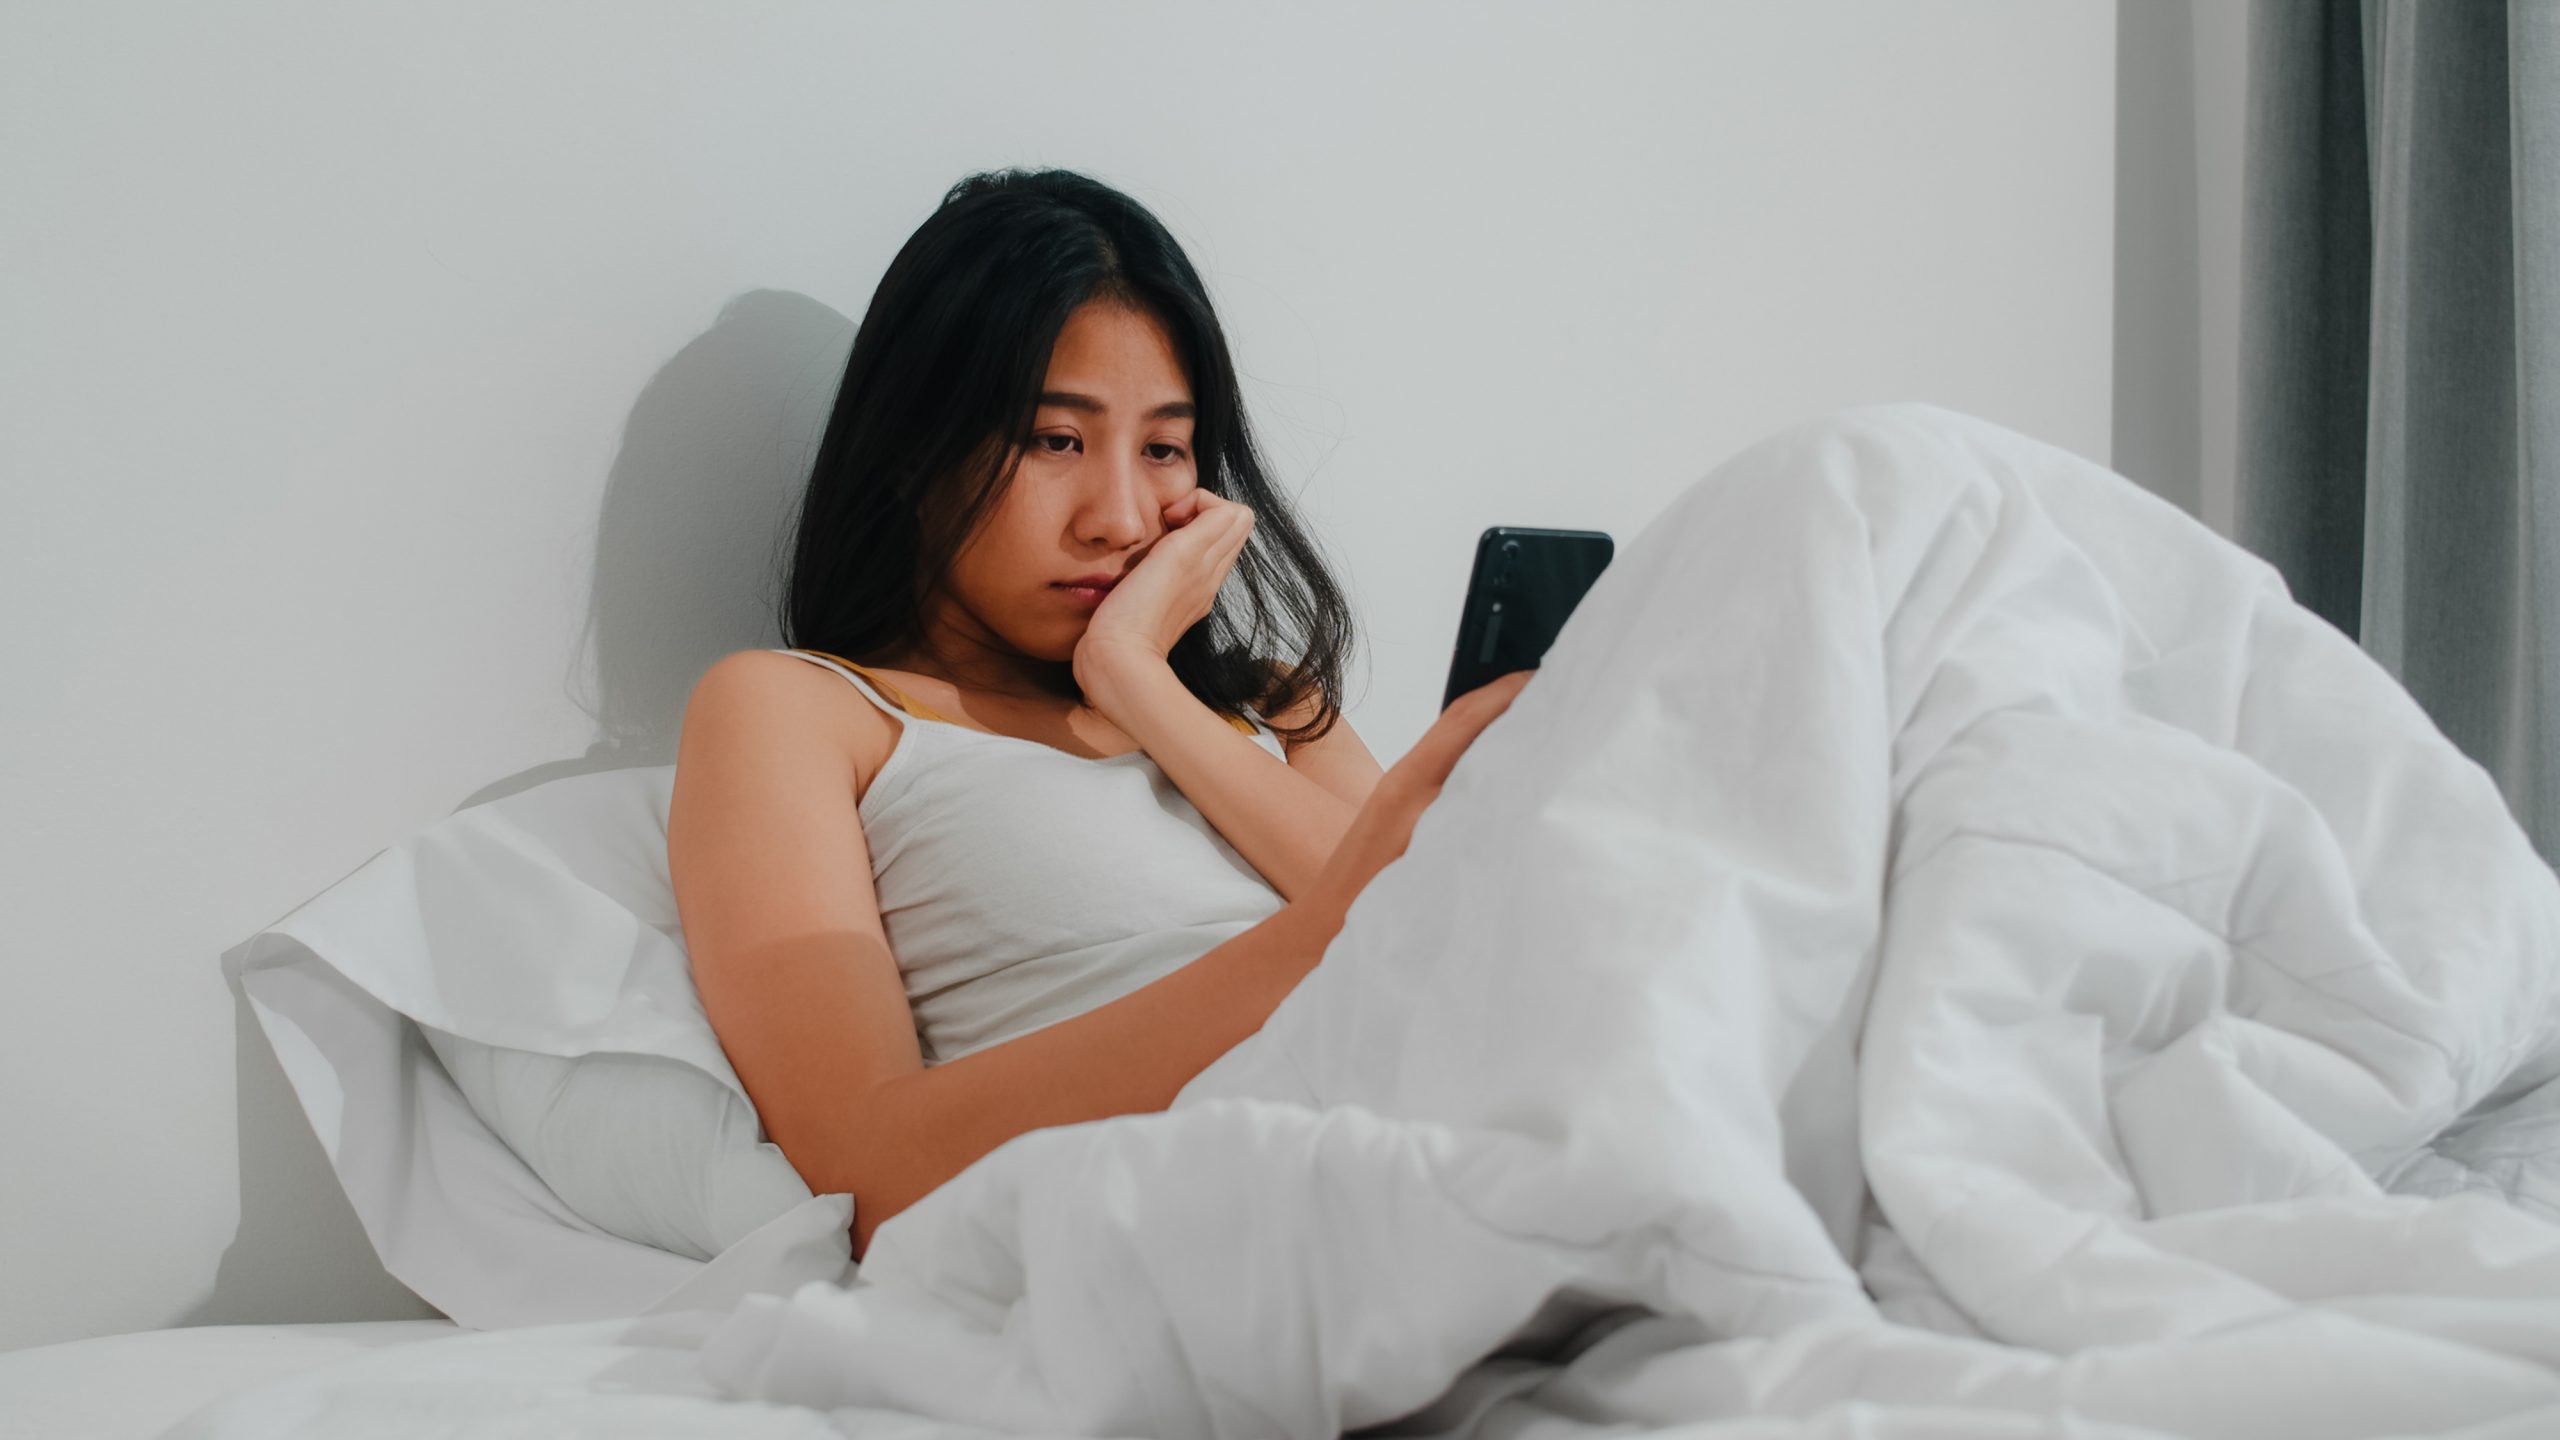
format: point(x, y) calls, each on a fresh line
point(1169, 410)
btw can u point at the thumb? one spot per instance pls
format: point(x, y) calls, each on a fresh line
point(1437, 752)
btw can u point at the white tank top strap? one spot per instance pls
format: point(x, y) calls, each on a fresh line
point(859, 683)
point(898, 705)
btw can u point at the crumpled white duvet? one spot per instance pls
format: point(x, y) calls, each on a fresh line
point(1944, 947)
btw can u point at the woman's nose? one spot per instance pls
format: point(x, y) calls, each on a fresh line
point(1121, 513)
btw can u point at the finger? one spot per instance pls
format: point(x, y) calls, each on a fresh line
point(1438, 750)
point(1474, 707)
point(1436, 754)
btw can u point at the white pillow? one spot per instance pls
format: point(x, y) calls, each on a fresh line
point(648, 1148)
point(583, 1149)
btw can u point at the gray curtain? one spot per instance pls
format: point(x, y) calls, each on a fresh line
point(2399, 454)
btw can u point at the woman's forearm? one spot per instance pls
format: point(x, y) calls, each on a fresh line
point(915, 1131)
point(1285, 825)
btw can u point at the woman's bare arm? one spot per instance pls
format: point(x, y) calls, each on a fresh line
point(1132, 1054)
point(773, 885)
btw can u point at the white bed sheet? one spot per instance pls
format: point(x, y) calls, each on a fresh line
point(135, 1386)
point(580, 1380)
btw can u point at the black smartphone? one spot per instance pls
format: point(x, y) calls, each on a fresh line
point(1526, 581)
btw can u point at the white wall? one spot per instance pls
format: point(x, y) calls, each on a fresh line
point(2221, 84)
point(2182, 68)
point(399, 404)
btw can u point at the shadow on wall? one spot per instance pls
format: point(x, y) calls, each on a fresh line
point(689, 544)
point(688, 560)
point(300, 1253)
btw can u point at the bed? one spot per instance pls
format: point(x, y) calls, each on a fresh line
point(1945, 946)
point(134, 1387)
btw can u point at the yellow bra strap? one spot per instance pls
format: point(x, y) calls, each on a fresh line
point(892, 691)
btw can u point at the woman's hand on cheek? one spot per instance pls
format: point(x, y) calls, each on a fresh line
point(1172, 587)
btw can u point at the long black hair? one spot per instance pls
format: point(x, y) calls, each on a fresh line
point(942, 387)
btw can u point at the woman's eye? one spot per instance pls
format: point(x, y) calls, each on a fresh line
point(1175, 454)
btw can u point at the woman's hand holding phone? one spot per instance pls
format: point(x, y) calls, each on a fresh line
point(1384, 824)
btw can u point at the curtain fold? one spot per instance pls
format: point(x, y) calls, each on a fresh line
point(2399, 454)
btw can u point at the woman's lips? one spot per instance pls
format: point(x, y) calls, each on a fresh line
point(1087, 596)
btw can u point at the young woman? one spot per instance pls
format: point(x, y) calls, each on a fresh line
point(1040, 813)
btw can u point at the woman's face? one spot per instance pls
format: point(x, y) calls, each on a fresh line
point(1110, 448)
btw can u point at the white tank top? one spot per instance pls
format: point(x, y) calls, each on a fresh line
point(1021, 885)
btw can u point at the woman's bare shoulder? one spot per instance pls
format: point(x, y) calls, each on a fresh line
point(789, 689)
